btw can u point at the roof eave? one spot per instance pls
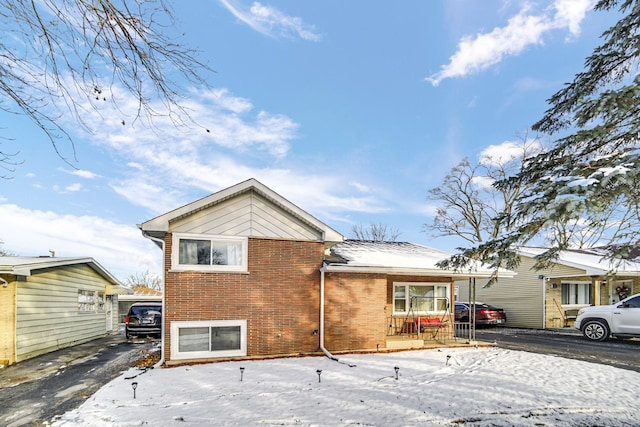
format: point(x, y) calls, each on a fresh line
point(412, 271)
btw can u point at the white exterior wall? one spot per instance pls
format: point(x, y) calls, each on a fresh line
point(247, 215)
point(47, 314)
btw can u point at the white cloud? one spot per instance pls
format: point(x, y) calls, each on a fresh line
point(119, 248)
point(360, 187)
point(84, 174)
point(480, 52)
point(172, 165)
point(73, 187)
point(501, 154)
point(270, 21)
point(483, 181)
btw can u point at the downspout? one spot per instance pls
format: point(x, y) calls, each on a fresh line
point(161, 242)
point(322, 347)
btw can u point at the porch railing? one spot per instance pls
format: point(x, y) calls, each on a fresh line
point(421, 327)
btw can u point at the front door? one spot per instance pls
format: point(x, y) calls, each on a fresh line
point(108, 312)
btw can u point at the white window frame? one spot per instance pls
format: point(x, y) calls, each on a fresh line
point(435, 285)
point(86, 301)
point(175, 253)
point(575, 283)
point(175, 336)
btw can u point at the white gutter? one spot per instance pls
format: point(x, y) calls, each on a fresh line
point(412, 271)
point(322, 347)
point(162, 356)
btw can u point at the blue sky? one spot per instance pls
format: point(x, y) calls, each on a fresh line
point(352, 110)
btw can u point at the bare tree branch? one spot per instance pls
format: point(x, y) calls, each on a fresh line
point(55, 55)
point(376, 232)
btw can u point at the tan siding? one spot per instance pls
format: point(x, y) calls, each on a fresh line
point(246, 215)
point(7, 322)
point(48, 318)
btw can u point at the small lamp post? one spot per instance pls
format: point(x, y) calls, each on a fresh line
point(241, 373)
point(134, 385)
point(397, 368)
point(319, 372)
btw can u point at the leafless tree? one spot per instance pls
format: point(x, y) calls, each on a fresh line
point(145, 280)
point(469, 206)
point(375, 232)
point(58, 56)
point(4, 252)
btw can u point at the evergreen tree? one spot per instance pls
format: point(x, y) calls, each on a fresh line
point(590, 174)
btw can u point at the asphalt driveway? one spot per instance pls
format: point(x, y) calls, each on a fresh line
point(34, 391)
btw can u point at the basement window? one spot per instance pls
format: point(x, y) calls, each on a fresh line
point(209, 338)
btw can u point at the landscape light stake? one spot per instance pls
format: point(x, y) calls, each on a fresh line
point(448, 357)
point(134, 385)
point(241, 372)
point(319, 371)
point(397, 368)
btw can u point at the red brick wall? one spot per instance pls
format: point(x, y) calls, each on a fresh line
point(279, 297)
point(355, 311)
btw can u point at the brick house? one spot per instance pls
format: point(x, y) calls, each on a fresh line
point(249, 274)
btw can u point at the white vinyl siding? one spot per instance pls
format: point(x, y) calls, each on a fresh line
point(47, 314)
point(246, 215)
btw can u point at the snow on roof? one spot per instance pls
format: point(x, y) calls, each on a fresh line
point(592, 260)
point(396, 257)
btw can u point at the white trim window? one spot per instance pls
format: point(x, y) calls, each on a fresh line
point(202, 252)
point(86, 301)
point(208, 338)
point(576, 293)
point(420, 298)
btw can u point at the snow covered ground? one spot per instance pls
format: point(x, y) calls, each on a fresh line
point(462, 386)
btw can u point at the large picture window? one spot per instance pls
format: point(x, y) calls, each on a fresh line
point(206, 339)
point(576, 293)
point(206, 252)
point(420, 298)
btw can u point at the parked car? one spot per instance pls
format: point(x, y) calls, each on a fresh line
point(143, 319)
point(485, 314)
point(621, 320)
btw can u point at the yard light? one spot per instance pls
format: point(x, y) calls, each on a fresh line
point(241, 372)
point(319, 371)
point(134, 385)
point(396, 368)
point(448, 357)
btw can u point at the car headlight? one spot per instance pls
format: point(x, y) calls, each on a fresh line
point(581, 312)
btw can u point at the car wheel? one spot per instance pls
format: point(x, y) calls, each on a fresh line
point(596, 330)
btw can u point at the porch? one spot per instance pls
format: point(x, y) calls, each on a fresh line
point(407, 332)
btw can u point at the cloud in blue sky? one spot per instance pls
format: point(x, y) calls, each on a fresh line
point(482, 51)
point(270, 21)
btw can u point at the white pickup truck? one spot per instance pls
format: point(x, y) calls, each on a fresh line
point(620, 320)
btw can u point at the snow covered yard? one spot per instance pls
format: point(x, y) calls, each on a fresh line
point(464, 386)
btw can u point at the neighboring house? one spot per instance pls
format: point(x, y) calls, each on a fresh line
point(249, 274)
point(51, 303)
point(551, 298)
